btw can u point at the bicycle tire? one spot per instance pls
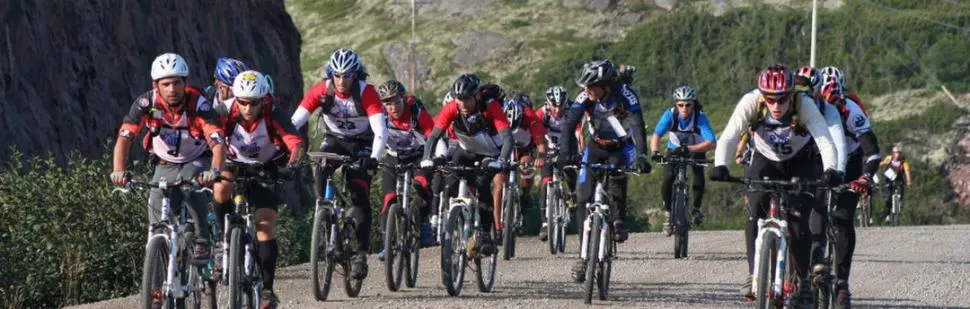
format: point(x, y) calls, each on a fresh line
point(190, 277)
point(453, 251)
point(235, 268)
point(551, 221)
point(508, 225)
point(606, 266)
point(394, 252)
point(592, 251)
point(486, 281)
point(352, 286)
point(681, 225)
point(321, 259)
point(897, 209)
point(766, 271)
point(154, 271)
point(561, 222)
point(413, 247)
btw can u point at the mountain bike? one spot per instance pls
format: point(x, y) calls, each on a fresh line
point(557, 205)
point(598, 248)
point(680, 214)
point(864, 208)
point(462, 230)
point(825, 272)
point(170, 276)
point(402, 233)
point(774, 279)
point(334, 230)
point(511, 209)
point(896, 203)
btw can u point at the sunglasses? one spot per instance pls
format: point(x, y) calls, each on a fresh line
point(684, 105)
point(773, 100)
point(347, 76)
point(247, 103)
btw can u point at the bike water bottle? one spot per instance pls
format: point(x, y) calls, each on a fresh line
point(328, 193)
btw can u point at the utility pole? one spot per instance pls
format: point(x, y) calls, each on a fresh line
point(814, 30)
point(411, 57)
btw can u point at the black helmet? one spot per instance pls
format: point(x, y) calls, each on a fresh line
point(390, 89)
point(596, 73)
point(556, 96)
point(465, 85)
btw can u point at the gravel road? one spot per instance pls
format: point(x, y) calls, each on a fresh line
point(905, 267)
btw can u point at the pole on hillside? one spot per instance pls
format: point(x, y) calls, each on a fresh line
point(948, 94)
point(814, 30)
point(411, 57)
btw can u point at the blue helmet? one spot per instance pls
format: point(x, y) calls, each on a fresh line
point(514, 107)
point(227, 69)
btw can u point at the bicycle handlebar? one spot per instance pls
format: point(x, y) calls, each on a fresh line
point(685, 160)
point(138, 185)
point(795, 185)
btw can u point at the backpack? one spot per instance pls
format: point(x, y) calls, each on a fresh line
point(490, 92)
point(154, 125)
point(855, 98)
point(796, 123)
point(696, 113)
point(233, 117)
point(327, 100)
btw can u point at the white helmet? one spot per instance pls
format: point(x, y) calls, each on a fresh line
point(685, 93)
point(344, 61)
point(832, 72)
point(250, 85)
point(169, 65)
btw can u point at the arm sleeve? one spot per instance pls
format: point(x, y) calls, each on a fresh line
point(635, 125)
point(425, 123)
point(746, 109)
point(573, 116)
point(536, 129)
point(870, 152)
point(309, 104)
point(507, 147)
point(433, 139)
point(818, 127)
point(833, 123)
point(706, 131)
point(208, 120)
point(663, 125)
point(135, 118)
point(379, 127)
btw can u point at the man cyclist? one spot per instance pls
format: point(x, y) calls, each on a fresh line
point(553, 116)
point(528, 135)
point(688, 127)
point(897, 164)
point(259, 135)
point(784, 124)
point(616, 137)
point(863, 156)
point(220, 92)
point(479, 123)
point(354, 122)
point(184, 139)
point(408, 126)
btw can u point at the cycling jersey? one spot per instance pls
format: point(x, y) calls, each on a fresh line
point(554, 126)
point(343, 116)
point(407, 134)
point(258, 141)
point(601, 115)
point(692, 131)
point(530, 131)
point(477, 132)
point(777, 140)
point(175, 136)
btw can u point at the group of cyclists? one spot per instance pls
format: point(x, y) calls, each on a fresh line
point(802, 123)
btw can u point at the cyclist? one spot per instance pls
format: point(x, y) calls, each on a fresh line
point(808, 80)
point(616, 128)
point(784, 123)
point(476, 118)
point(220, 92)
point(354, 122)
point(528, 135)
point(898, 164)
point(260, 135)
point(862, 162)
point(553, 116)
point(408, 126)
point(184, 139)
point(688, 126)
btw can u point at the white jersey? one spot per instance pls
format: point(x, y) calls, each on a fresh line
point(778, 142)
point(255, 147)
point(343, 118)
point(747, 111)
point(174, 143)
point(856, 124)
point(404, 142)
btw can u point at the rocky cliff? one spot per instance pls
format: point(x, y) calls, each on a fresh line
point(69, 70)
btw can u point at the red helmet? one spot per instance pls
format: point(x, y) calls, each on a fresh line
point(813, 76)
point(776, 80)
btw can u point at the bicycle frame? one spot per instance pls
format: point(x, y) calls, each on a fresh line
point(599, 207)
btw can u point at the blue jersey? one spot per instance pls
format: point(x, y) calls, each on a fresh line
point(691, 131)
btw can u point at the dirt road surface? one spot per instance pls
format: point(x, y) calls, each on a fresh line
point(905, 267)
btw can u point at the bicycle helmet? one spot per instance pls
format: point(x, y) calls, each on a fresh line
point(596, 73)
point(514, 109)
point(227, 69)
point(250, 85)
point(390, 89)
point(832, 72)
point(813, 76)
point(831, 91)
point(685, 93)
point(465, 85)
point(557, 96)
point(897, 149)
point(344, 61)
point(169, 65)
point(776, 80)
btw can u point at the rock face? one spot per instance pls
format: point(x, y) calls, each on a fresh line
point(596, 5)
point(477, 47)
point(70, 70)
point(668, 5)
point(397, 53)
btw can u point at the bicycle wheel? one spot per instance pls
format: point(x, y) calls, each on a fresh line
point(766, 271)
point(681, 225)
point(351, 285)
point(508, 224)
point(321, 258)
point(394, 251)
point(605, 267)
point(550, 214)
point(237, 284)
point(486, 271)
point(562, 220)
point(592, 256)
point(154, 272)
point(897, 207)
point(453, 246)
point(863, 209)
point(412, 245)
point(190, 277)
